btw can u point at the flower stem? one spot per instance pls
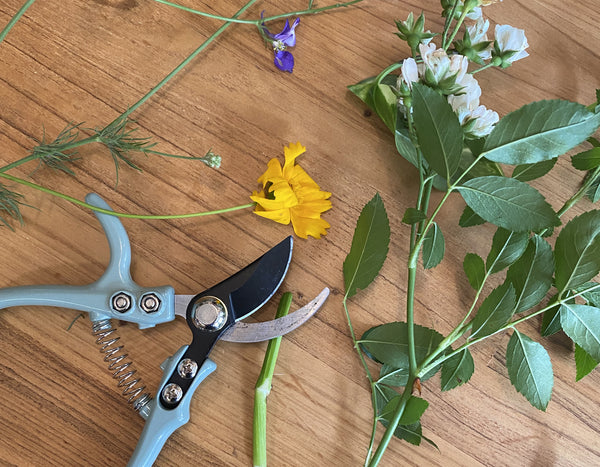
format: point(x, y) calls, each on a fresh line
point(15, 18)
point(257, 22)
point(263, 388)
point(391, 428)
point(184, 63)
point(456, 28)
point(121, 214)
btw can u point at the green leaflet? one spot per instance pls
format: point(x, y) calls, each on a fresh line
point(508, 203)
point(388, 344)
point(531, 274)
point(528, 172)
point(393, 376)
point(494, 312)
point(457, 370)
point(577, 251)
point(369, 247)
point(415, 408)
point(411, 432)
point(582, 324)
point(584, 363)
point(551, 318)
point(587, 160)
point(540, 131)
point(438, 131)
point(530, 369)
point(413, 216)
point(364, 89)
point(474, 270)
point(468, 218)
point(433, 247)
point(404, 144)
point(507, 247)
point(385, 103)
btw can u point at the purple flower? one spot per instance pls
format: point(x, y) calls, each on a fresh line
point(284, 60)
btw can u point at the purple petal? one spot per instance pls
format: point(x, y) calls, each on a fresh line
point(284, 60)
point(288, 34)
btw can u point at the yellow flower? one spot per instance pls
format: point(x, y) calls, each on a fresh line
point(288, 193)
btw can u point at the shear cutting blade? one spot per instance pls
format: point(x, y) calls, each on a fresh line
point(258, 332)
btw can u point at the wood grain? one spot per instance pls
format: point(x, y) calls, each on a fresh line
point(87, 61)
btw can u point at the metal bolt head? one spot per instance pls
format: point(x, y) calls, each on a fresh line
point(150, 303)
point(209, 314)
point(121, 302)
point(172, 393)
point(187, 368)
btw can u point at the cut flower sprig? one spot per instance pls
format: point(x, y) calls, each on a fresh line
point(430, 102)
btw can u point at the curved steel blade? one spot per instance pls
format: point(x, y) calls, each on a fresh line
point(251, 287)
point(257, 332)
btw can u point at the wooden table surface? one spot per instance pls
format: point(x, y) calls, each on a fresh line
point(87, 61)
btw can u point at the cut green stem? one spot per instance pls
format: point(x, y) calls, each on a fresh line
point(263, 389)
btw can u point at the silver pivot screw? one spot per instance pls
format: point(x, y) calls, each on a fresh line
point(121, 302)
point(150, 303)
point(187, 368)
point(172, 393)
point(209, 314)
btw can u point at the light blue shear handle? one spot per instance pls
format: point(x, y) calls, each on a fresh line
point(160, 422)
point(96, 298)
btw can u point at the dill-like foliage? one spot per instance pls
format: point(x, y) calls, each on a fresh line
point(10, 204)
point(59, 152)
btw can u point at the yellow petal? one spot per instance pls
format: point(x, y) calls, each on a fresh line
point(291, 152)
point(303, 227)
point(273, 171)
point(281, 215)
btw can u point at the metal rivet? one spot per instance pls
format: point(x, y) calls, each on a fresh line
point(121, 302)
point(172, 393)
point(150, 303)
point(210, 314)
point(187, 368)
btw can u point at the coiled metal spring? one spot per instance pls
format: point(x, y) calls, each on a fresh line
point(122, 371)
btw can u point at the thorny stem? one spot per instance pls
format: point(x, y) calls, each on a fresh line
point(15, 18)
point(121, 214)
point(456, 28)
point(258, 22)
point(448, 22)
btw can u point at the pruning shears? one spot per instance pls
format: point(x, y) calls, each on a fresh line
point(212, 315)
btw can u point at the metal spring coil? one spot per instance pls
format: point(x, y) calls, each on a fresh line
point(122, 371)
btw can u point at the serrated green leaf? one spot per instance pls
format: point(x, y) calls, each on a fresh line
point(384, 104)
point(494, 312)
point(587, 160)
point(433, 247)
point(530, 369)
point(540, 131)
point(551, 318)
point(388, 344)
point(414, 410)
point(507, 247)
point(528, 172)
point(474, 269)
point(593, 192)
point(577, 251)
point(363, 89)
point(457, 370)
point(582, 324)
point(392, 376)
point(592, 297)
point(584, 363)
point(469, 219)
point(531, 275)
point(508, 203)
point(412, 433)
point(438, 131)
point(369, 247)
point(404, 144)
point(413, 216)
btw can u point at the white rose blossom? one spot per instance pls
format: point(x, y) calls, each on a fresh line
point(477, 119)
point(478, 34)
point(509, 39)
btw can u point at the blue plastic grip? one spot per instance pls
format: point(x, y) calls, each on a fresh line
point(161, 422)
point(96, 298)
